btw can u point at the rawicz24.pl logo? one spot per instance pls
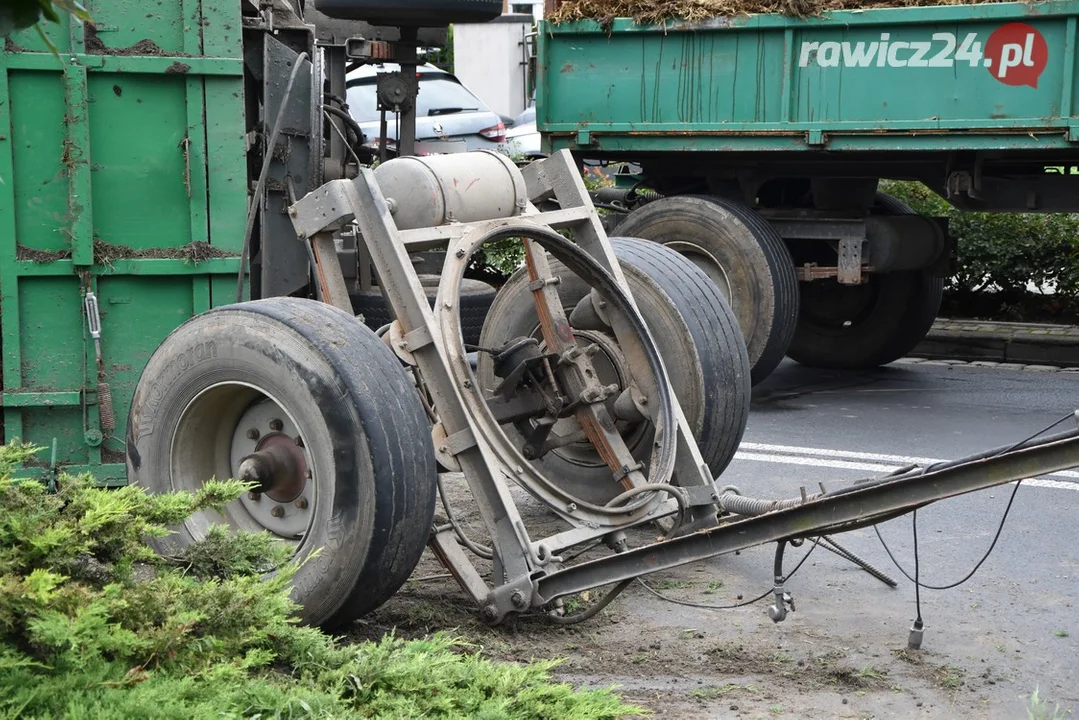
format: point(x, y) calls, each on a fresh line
point(1015, 53)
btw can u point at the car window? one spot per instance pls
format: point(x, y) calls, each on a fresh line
point(438, 93)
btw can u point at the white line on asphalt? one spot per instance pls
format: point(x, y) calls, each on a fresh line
point(895, 460)
point(816, 462)
point(874, 467)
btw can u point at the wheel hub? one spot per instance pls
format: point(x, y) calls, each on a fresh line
point(278, 465)
point(268, 449)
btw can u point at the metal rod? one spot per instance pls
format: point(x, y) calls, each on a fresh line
point(896, 496)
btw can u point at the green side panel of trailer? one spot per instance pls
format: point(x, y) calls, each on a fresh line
point(986, 77)
point(121, 159)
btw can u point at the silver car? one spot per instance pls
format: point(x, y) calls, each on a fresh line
point(446, 110)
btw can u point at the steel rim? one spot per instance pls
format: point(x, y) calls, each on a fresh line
point(709, 264)
point(227, 425)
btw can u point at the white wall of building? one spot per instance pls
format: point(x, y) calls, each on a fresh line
point(489, 58)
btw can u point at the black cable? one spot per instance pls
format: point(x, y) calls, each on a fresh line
point(260, 185)
point(702, 606)
point(348, 120)
point(1000, 528)
point(915, 580)
point(481, 550)
point(592, 611)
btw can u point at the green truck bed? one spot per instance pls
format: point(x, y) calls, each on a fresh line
point(123, 173)
point(989, 77)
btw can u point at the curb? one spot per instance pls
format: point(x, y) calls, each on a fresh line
point(1001, 342)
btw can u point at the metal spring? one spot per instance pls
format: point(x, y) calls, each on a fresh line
point(104, 405)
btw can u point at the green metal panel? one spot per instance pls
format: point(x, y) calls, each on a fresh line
point(115, 157)
point(976, 77)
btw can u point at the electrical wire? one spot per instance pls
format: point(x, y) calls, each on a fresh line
point(482, 550)
point(256, 197)
point(703, 606)
point(1000, 528)
point(341, 134)
point(592, 611)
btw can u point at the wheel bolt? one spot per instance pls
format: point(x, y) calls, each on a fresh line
point(301, 503)
point(278, 511)
point(253, 434)
point(276, 425)
point(254, 496)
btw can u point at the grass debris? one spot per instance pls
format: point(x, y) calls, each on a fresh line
point(660, 11)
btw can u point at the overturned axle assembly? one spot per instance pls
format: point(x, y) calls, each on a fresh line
point(610, 382)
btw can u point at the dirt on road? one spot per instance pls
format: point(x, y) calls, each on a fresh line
point(838, 658)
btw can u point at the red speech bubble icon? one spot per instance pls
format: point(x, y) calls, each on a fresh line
point(1016, 54)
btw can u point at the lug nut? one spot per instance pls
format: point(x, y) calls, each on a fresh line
point(276, 425)
point(254, 496)
point(253, 434)
point(278, 511)
point(301, 503)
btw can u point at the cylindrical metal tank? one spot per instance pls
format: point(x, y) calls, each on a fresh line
point(437, 189)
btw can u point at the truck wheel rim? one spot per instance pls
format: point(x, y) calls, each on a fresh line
point(707, 262)
point(238, 430)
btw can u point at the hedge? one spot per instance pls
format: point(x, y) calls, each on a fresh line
point(1000, 254)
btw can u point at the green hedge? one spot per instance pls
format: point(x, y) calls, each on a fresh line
point(1001, 253)
point(95, 625)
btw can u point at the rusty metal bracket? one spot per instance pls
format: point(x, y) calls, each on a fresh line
point(850, 261)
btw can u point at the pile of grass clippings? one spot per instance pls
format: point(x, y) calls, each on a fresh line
point(659, 11)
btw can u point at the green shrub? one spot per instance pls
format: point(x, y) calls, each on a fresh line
point(1002, 252)
point(95, 625)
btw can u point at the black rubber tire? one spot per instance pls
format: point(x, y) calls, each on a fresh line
point(365, 432)
point(698, 337)
point(888, 316)
point(476, 299)
point(743, 255)
point(425, 13)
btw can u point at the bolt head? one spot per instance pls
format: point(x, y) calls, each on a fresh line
point(518, 599)
point(254, 496)
point(490, 613)
point(253, 434)
point(301, 503)
point(276, 425)
point(278, 511)
point(460, 252)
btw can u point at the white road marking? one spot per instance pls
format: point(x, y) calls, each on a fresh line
point(895, 460)
point(816, 462)
point(853, 460)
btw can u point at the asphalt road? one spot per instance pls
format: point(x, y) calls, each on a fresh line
point(1017, 616)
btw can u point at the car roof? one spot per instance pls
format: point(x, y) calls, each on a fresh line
point(369, 71)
